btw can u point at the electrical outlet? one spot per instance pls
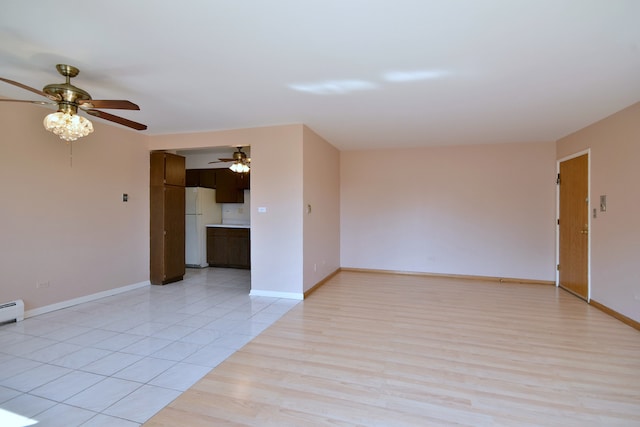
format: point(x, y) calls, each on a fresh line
point(42, 285)
point(637, 297)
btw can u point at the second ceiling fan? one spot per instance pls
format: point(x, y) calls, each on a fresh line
point(240, 161)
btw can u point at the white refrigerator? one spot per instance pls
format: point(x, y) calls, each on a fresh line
point(201, 209)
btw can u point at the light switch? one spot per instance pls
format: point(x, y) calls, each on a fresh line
point(603, 203)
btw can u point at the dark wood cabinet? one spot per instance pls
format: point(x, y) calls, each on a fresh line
point(201, 178)
point(167, 218)
point(167, 169)
point(217, 247)
point(208, 178)
point(192, 178)
point(228, 247)
point(228, 187)
point(244, 180)
point(239, 250)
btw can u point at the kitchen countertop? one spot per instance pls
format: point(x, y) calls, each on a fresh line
point(229, 225)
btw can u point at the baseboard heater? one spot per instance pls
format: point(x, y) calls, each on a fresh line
point(12, 311)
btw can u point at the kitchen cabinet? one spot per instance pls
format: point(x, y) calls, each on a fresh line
point(192, 178)
point(230, 186)
point(244, 180)
point(201, 178)
point(228, 247)
point(167, 213)
point(167, 169)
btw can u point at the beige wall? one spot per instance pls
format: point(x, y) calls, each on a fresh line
point(321, 178)
point(615, 234)
point(483, 210)
point(67, 225)
point(477, 210)
point(276, 184)
point(291, 166)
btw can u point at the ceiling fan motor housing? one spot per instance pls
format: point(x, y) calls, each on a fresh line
point(69, 95)
point(66, 92)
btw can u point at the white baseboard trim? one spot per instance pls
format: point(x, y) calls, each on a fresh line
point(274, 294)
point(86, 298)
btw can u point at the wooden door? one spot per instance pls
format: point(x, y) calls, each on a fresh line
point(574, 226)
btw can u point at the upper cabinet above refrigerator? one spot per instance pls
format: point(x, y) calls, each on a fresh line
point(229, 185)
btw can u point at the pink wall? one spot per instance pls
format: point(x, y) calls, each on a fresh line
point(67, 226)
point(291, 167)
point(321, 178)
point(477, 210)
point(484, 210)
point(276, 184)
point(277, 234)
point(615, 234)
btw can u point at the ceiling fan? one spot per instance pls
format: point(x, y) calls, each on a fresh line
point(239, 159)
point(66, 123)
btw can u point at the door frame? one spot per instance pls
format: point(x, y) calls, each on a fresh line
point(589, 216)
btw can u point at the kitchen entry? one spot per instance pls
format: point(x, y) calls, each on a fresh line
point(216, 234)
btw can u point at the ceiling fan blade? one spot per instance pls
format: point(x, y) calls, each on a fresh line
point(117, 119)
point(219, 161)
point(31, 89)
point(31, 102)
point(119, 104)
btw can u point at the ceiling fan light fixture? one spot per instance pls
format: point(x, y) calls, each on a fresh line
point(239, 167)
point(68, 127)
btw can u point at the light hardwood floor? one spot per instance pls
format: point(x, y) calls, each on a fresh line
point(395, 350)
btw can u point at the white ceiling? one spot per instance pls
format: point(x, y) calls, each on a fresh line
point(361, 73)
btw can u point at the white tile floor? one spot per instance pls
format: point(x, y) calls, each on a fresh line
point(119, 360)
